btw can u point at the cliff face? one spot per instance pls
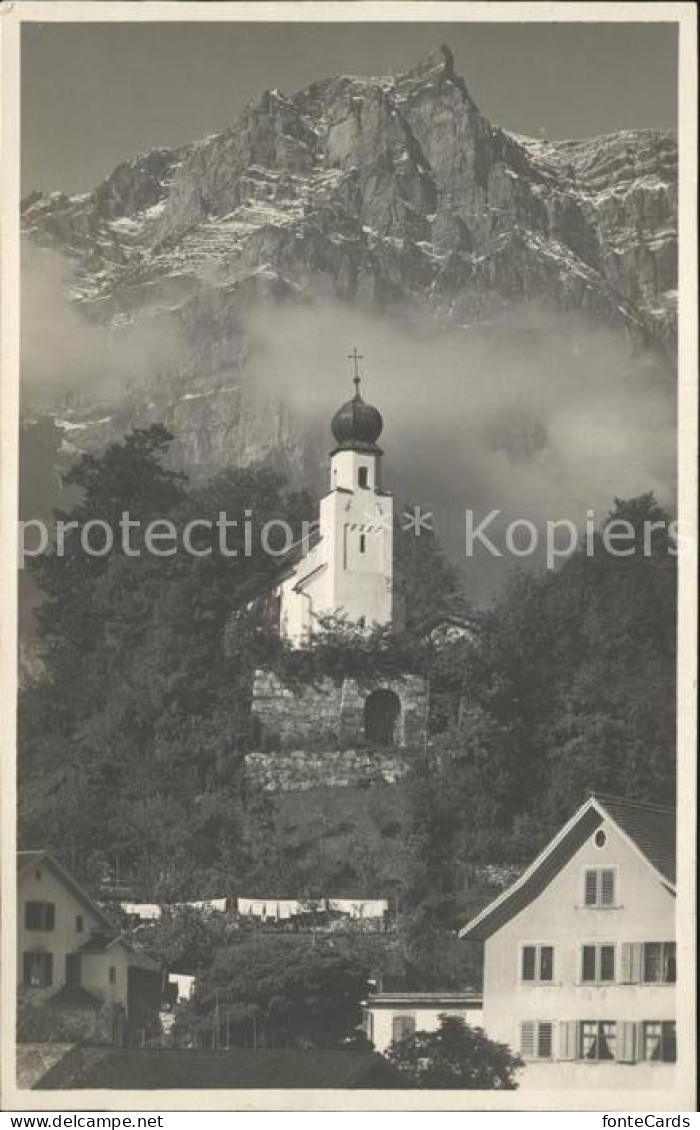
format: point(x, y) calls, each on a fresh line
point(384, 194)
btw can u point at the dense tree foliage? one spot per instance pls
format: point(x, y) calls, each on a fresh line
point(131, 745)
point(277, 992)
point(566, 688)
point(570, 686)
point(455, 1057)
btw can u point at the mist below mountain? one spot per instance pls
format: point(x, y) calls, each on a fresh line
point(513, 300)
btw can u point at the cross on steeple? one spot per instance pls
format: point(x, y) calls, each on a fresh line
point(355, 357)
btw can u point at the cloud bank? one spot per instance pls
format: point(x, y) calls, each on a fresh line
point(537, 417)
point(540, 416)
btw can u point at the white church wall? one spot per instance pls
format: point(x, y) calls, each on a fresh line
point(347, 468)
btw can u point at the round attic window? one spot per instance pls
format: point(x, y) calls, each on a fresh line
point(600, 839)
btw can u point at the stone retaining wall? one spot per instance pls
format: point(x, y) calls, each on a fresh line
point(330, 716)
point(297, 770)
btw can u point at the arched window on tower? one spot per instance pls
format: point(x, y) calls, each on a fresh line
point(363, 542)
point(363, 477)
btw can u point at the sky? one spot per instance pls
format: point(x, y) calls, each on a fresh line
point(96, 94)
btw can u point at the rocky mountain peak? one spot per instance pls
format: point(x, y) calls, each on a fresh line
point(383, 194)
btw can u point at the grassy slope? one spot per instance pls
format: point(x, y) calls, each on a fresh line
point(349, 841)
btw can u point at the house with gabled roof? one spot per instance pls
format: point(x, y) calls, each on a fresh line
point(580, 953)
point(72, 959)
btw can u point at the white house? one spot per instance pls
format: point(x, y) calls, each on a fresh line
point(391, 1017)
point(580, 954)
point(69, 954)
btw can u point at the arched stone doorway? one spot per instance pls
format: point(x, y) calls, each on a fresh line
point(382, 713)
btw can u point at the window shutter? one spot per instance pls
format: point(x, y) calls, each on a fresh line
point(607, 888)
point(544, 1040)
point(639, 1040)
point(527, 1039)
point(588, 970)
point(669, 970)
point(591, 896)
point(528, 963)
point(568, 1039)
point(547, 963)
point(627, 1048)
point(668, 1041)
point(607, 963)
point(50, 916)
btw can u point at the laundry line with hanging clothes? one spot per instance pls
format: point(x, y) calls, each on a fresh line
point(282, 909)
point(266, 909)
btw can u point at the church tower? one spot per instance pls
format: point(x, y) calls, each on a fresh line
point(346, 570)
point(349, 572)
point(357, 518)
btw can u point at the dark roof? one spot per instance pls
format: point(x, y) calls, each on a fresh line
point(649, 827)
point(652, 827)
point(138, 959)
point(27, 859)
point(166, 1069)
point(357, 426)
point(296, 553)
point(449, 998)
point(99, 941)
point(74, 997)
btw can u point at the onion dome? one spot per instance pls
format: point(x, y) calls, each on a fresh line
point(357, 426)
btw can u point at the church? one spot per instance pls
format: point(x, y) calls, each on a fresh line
point(345, 570)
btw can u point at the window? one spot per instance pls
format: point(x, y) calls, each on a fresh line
point(598, 1039)
point(660, 1041)
point(600, 839)
point(39, 915)
point(598, 963)
point(537, 963)
point(536, 1039)
point(37, 972)
point(659, 962)
point(403, 1025)
point(78, 923)
point(112, 974)
point(72, 970)
point(362, 477)
point(363, 542)
point(600, 887)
